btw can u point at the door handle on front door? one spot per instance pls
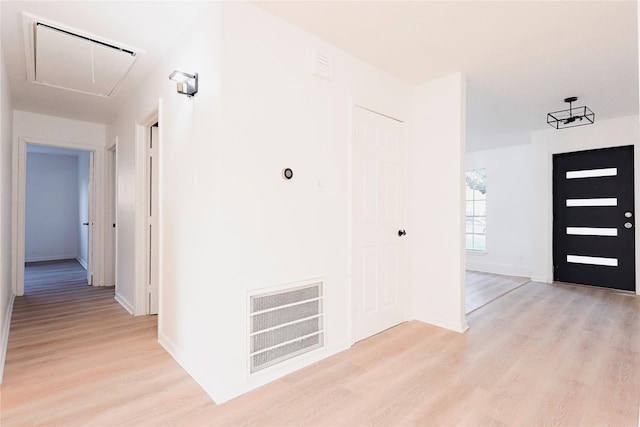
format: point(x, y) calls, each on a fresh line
point(85, 223)
point(401, 233)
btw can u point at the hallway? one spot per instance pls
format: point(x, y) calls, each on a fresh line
point(75, 356)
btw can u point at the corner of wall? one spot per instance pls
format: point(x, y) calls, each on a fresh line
point(4, 336)
point(460, 327)
point(124, 303)
point(6, 169)
point(437, 154)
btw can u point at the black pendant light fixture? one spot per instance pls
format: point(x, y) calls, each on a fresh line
point(574, 116)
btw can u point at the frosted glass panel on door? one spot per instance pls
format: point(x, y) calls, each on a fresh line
point(592, 231)
point(612, 201)
point(592, 173)
point(592, 260)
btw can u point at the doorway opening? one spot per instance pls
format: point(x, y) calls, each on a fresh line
point(55, 208)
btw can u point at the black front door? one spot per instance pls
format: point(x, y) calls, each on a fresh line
point(593, 218)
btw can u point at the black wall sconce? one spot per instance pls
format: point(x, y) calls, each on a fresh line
point(187, 83)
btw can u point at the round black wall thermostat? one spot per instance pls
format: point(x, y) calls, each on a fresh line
point(287, 173)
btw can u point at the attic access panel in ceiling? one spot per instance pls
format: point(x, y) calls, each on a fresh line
point(66, 59)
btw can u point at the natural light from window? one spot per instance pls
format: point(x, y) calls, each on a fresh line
point(476, 215)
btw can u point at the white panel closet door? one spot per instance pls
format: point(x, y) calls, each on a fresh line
point(378, 251)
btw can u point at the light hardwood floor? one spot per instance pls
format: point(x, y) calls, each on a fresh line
point(482, 288)
point(539, 355)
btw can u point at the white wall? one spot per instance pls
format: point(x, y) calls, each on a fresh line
point(56, 129)
point(83, 208)
point(509, 210)
point(436, 202)
point(51, 207)
point(602, 134)
point(6, 257)
point(229, 223)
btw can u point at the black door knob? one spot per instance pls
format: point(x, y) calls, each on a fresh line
point(401, 233)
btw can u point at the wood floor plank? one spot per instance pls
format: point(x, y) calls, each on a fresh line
point(538, 355)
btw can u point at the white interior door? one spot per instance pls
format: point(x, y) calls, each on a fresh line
point(91, 220)
point(378, 245)
point(152, 219)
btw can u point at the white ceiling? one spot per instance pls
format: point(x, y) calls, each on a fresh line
point(152, 27)
point(521, 58)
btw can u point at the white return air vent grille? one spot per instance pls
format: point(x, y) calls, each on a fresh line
point(284, 324)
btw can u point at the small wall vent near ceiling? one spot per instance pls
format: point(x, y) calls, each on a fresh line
point(67, 59)
point(284, 324)
point(320, 64)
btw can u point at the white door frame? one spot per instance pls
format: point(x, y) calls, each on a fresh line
point(111, 213)
point(19, 178)
point(91, 188)
point(141, 293)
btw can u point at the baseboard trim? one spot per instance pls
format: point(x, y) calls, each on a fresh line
point(6, 326)
point(452, 326)
point(177, 356)
point(82, 262)
point(262, 378)
point(124, 303)
point(497, 268)
point(254, 382)
point(49, 258)
point(540, 279)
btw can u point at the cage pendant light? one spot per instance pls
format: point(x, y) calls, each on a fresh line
point(573, 116)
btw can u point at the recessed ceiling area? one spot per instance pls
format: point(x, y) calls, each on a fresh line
point(66, 59)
